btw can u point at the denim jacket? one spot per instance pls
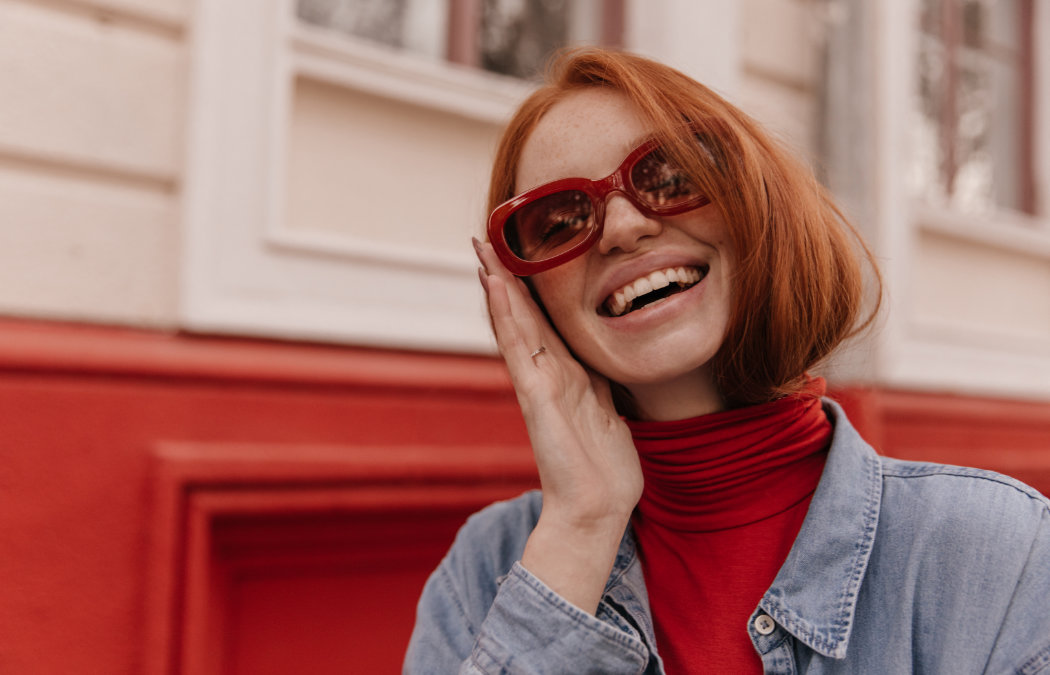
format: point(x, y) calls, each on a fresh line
point(900, 567)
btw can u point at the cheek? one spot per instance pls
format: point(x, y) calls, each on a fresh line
point(549, 298)
point(557, 288)
point(559, 295)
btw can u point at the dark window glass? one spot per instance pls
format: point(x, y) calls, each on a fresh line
point(511, 37)
point(516, 36)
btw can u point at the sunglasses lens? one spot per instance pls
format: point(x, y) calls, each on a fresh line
point(661, 183)
point(550, 225)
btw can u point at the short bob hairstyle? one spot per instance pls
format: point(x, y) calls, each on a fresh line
point(797, 285)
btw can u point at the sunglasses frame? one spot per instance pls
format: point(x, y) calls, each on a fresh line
point(598, 192)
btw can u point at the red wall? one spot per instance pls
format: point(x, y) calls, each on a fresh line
point(181, 504)
point(178, 504)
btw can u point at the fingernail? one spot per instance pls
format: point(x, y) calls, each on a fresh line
point(479, 253)
point(484, 279)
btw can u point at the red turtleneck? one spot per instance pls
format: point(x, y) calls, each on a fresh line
point(725, 495)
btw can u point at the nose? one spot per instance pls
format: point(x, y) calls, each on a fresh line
point(625, 226)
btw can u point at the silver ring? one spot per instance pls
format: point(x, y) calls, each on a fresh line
point(536, 353)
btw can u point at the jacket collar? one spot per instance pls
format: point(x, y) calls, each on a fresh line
point(814, 596)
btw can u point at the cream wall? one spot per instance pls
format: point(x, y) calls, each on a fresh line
point(92, 108)
point(97, 123)
point(352, 155)
point(781, 42)
point(215, 166)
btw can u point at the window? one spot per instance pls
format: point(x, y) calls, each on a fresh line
point(973, 138)
point(511, 37)
point(283, 103)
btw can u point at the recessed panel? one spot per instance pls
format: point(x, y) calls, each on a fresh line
point(385, 171)
point(328, 593)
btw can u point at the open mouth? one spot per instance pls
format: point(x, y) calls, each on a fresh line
point(652, 288)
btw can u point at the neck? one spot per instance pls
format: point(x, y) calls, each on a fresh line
point(703, 473)
point(690, 395)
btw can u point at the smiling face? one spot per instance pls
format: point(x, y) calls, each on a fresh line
point(648, 305)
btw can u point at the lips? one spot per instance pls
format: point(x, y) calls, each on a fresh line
point(652, 287)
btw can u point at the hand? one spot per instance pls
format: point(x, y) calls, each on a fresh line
point(587, 462)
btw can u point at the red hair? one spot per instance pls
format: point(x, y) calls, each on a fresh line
point(798, 284)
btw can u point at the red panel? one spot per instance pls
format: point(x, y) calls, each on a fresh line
point(253, 534)
point(167, 498)
point(83, 408)
point(1009, 436)
point(305, 607)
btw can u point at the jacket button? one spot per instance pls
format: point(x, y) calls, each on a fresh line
point(764, 624)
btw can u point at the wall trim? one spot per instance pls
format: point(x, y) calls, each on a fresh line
point(41, 347)
point(389, 72)
point(1008, 435)
point(195, 485)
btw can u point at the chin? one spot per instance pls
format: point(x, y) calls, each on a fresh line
point(654, 372)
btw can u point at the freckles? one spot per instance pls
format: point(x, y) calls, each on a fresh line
point(554, 296)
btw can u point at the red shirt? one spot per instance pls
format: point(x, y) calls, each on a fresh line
point(725, 495)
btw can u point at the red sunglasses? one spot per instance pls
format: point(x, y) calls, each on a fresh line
point(558, 221)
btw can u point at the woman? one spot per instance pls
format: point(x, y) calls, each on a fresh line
point(703, 509)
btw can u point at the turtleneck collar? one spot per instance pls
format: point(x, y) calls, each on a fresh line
point(735, 467)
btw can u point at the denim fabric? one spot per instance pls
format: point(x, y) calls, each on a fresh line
point(900, 567)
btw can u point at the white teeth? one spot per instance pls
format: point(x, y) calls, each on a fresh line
point(644, 285)
point(619, 302)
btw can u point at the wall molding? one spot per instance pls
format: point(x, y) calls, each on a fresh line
point(1006, 230)
point(147, 17)
point(393, 73)
point(218, 511)
point(52, 348)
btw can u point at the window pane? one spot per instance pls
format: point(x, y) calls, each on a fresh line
point(968, 137)
point(930, 16)
point(973, 22)
point(1003, 20)
point(927, 145)
point(974, 179)
point(512, 37)
point(517, 36)
point(419, 26)
point(1005, 134)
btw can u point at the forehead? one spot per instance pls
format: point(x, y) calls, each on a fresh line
point(586, 135)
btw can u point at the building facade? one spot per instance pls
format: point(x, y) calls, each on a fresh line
point(246, 377)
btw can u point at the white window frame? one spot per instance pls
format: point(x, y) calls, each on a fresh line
point(245, 272)
point(911, 350)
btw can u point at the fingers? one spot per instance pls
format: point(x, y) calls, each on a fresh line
point(492, 265)
point(532, 349)
point(521, 332)
point(510, 326)
point(510, 303)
